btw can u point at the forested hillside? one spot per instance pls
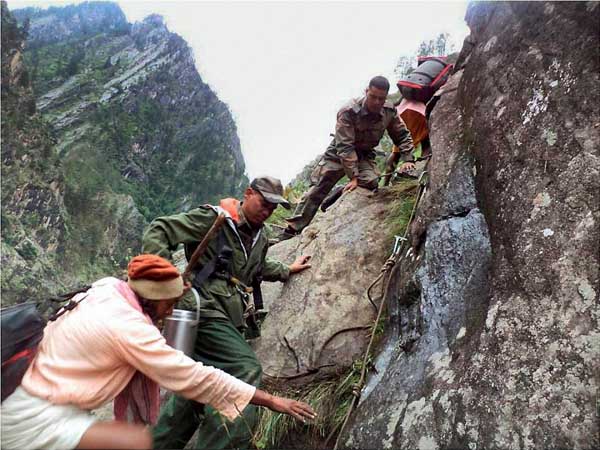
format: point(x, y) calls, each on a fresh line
point(130, 131)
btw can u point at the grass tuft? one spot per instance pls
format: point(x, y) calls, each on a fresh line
point(330, 398)
point(399, 211)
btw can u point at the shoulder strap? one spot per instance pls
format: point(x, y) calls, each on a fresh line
point(68, 307)
point(257, 293)
point(256, 282)
point(64, 297)
point(209, 268)
point(47, 306)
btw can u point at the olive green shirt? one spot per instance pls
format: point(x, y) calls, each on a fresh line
point(358, 132)
point(218, 297)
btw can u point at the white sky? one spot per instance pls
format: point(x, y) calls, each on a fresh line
point(285, 68)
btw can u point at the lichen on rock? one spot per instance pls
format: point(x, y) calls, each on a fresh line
point(524, 372)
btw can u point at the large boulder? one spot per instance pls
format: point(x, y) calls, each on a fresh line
point(320, 320)
point(493, 337)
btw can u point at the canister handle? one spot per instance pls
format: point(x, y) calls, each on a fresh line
point(197, 298)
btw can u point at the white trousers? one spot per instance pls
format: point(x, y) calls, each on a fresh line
point(30, 422)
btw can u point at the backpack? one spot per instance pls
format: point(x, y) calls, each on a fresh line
point(431, 74)
point(22, 328)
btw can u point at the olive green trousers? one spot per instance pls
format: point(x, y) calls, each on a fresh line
point(218, 344)
point(323, 178)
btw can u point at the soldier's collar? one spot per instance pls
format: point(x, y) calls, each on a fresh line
point(242, 219)
point(363, 108)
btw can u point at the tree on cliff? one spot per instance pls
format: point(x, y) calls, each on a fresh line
point(439, 46)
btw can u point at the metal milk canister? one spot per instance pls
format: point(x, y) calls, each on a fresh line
point(180, 327)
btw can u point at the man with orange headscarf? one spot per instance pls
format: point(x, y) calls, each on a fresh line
point(109, 347)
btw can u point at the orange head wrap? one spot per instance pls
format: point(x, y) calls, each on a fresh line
point(154, 278)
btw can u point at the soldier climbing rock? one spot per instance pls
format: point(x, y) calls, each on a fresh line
point(236, 258)
point(359, 128)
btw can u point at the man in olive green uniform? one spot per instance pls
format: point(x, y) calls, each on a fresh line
point(359, 128)
point(240, 248)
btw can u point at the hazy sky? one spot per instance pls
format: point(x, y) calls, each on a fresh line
point(285, 68)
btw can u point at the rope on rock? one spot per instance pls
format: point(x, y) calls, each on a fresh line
point(387, 266)
point(395, 257)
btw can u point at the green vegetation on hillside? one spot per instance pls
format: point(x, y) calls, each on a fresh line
point(125, 131)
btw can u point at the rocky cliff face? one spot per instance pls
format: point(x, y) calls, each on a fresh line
point(493, 337)
point(60, 24)
point(33, 210)
point(132, 133)
point(131, 94)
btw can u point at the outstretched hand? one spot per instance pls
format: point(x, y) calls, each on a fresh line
point(406, 167)
point(299, 410)
point(300, 264)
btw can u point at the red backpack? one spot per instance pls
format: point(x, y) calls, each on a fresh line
point(431, 74)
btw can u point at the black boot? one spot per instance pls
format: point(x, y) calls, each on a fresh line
point(286, 233)
point(332, 197)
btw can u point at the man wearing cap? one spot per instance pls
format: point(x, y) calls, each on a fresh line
point(238, 254)
point(109, 348)
point(359, 128)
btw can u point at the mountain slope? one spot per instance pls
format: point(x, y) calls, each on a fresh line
point(131, 132)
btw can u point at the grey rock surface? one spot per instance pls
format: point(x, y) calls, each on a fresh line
point(319, 320)
point(57, 24)
point(493, 340)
